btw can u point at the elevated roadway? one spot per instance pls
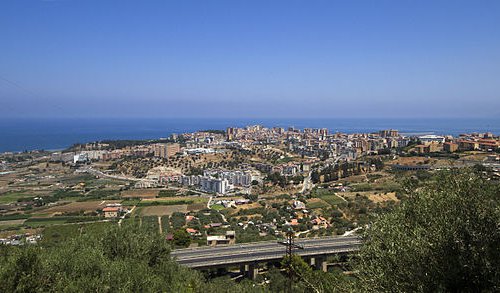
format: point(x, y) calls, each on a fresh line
point(261, 252)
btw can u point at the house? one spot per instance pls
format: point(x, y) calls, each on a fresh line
point(190, 218)
point(111, 212)
point(298, 205)
point(227, 239)
point(320, 222)
point(193, 232)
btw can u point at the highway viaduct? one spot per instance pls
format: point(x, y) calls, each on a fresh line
point(248, 256)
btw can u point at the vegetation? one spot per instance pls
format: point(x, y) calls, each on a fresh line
point(164, 203)
point(444, 237)
point(327, 195)
point(167, 193)
point(214, 131)
point(126, 259)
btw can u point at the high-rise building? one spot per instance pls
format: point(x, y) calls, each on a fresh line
point(172, 149)
point(323, 131)
point(166, 150)
point(389, 133)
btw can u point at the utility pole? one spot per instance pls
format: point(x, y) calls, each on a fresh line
point(290, 245)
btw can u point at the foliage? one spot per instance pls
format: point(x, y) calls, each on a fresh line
point(277, 179)
point(182, 238)
point(164, 203)
point(126, 260)
point(167, 193)
point(444, 237)
point(304, 279)
point(214, 131)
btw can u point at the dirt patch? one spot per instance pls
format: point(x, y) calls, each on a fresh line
point(140, 193)
point(194, 199)
point(196, 207)
point(352, 179)
point(163, 210)
point(12, 222)
point(413, 161)
point(80, 206)
point(372, 195)
point(381, 197)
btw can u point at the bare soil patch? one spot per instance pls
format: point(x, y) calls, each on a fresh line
point(140, 193)
point(381, 197)
point(80, 206)
point(163, 210)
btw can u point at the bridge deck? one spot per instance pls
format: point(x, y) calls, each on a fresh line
point(205, 257)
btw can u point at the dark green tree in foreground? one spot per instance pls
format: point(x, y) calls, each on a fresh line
point(127, 259)
point(445, 237)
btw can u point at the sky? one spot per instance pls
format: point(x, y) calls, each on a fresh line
point(250, 58)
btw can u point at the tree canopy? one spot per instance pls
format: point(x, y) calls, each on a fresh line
point(444, 237)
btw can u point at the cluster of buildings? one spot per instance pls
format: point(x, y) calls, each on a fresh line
point(160, 150)
point(21, 239)
point(322, 144)
point(218, 181)
point(319, 142)
point(465, 142)
point(234, 177)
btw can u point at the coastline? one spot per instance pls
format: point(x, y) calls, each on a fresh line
point(54, 134)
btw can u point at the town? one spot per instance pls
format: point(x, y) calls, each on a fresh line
point(218, 187)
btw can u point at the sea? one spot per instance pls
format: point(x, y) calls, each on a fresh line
point(22, 134)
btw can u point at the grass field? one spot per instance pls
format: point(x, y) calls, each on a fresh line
point(316, 203)
point(10, 197)
point(11, 223)
point(328, 196)
point(217, 207)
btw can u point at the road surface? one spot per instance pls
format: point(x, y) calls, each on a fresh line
point(206, 257)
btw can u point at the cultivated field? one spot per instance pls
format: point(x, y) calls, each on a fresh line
point(316, 203)
point(381, 197)
point(140, 193)
point(86, 206)
point(163, 210)
point(375, 196)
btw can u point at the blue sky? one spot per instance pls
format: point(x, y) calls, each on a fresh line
point(236, 58)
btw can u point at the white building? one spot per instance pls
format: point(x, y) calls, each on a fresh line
point(431, 138)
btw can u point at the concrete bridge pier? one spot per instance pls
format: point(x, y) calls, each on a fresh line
point(309, 260)
point(253, 271)
point(243, 269)
point(320, 263)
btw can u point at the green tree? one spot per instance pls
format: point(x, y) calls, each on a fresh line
point(127, 259)
point(182, 238)
point(444, 237)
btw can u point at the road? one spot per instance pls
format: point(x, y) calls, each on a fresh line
point(307, 184)
point(206, 257)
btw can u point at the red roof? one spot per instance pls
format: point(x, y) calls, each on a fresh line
point(110, 209)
